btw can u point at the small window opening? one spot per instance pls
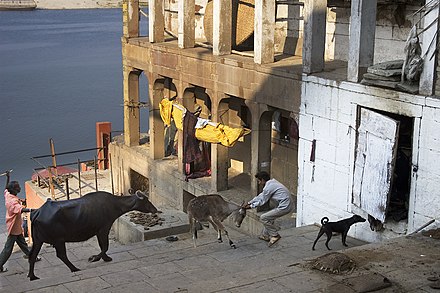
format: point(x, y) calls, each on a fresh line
point(139, 182)
point(286, 127)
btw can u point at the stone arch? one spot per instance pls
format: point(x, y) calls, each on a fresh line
point(160, 88)
point(265, 141)
point(195, 98)
point(284, 148)
point(197, 101)
point(234, 164)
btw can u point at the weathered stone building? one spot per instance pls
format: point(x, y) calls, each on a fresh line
point(375, 148)
point(293, 66)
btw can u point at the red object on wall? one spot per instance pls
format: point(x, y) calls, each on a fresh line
point(103, 130)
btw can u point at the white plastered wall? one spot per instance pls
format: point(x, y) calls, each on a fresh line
point(328, 115)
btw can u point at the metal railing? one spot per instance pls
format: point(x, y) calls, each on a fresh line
point(52, 180)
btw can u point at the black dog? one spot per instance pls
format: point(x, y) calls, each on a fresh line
point(341, 226)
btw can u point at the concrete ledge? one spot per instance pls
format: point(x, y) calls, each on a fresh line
point(175, 222)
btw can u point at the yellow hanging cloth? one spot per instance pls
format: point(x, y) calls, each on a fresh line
point(212, 132)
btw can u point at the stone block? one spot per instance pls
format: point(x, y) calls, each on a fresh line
point(326, 130)
point(382, 52)
point(340, 46)
point(175, 222)
point(371, 76)
point(433, 102)
point(383, 67)
point(316, 98)
point(408, 87)
point(383, 32)
point(381, 83)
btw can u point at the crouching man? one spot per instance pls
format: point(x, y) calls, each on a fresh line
point(278, 193)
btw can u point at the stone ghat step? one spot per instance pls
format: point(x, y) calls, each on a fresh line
point(133, 227)
point(17, 5)
point(161, 266)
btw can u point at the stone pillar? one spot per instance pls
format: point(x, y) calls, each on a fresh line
point(155, 91)
point(362, 36)
point(130, 15)
point(264, 31)
point(187, 100)
point(265, 141)
point(222, 27)
point(219, 153)
point(186, 26)
point(131, 106)
point(315, 13)
point(260, 142)
point(429, 45)
point(156, 21)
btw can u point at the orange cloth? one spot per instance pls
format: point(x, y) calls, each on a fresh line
point(13, 214)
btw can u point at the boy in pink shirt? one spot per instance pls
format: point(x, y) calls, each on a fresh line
point(14, 208)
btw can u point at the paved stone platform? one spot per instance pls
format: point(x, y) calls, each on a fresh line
point(161, 266)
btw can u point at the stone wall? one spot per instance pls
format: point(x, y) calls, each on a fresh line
point(392, 29)
point(77, 4)
point(288, 35)
point(328, 114)
point(17, 4)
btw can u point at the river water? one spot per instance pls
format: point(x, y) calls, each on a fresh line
point(60, 73)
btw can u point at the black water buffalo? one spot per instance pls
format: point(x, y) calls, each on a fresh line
point(76, 220)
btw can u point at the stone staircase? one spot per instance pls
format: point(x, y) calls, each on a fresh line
point(161, 266)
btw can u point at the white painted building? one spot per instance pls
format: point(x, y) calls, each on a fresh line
point(364, 149)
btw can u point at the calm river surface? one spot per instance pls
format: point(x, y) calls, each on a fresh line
point(60, 73)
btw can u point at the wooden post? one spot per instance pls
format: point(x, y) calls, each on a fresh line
point(79, 177)
point(111, 174)
point(96, 175)
point(67, 188)
point(54, 160)
point(52, 191)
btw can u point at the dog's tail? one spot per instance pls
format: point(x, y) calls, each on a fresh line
point(324, 221)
